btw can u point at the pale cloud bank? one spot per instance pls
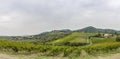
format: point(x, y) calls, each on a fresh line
point(27, 17)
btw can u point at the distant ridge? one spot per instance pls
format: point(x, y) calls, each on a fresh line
point(88, 29)
point(93, 29)
point(57, 34)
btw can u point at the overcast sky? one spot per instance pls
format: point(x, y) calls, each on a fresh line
point(27, 17)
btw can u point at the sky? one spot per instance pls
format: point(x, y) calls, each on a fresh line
point(28, 17)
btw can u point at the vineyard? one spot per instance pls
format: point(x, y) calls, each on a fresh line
point(56, 47)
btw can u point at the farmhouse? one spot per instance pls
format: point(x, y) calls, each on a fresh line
point(107, 35)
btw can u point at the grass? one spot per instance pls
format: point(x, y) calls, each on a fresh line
point(76, 37)
point(102, 40)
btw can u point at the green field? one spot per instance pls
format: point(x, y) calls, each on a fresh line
point(57, 48)
point(76, 37)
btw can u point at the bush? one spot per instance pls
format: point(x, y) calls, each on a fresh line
point(118, 39)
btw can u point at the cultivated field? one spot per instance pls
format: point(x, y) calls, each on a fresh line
point(74, 46)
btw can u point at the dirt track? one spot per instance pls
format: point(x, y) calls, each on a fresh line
point(5, 56)
point(114, 56)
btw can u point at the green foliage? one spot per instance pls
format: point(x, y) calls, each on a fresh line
point(57, 50)
point(104, 47)
point(44, 37)
point(71, 45)
point(75, 39)
point(118, 39)
point(102, 40)
point(91, 29)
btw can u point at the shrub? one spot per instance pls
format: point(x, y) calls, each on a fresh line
point(118, 39)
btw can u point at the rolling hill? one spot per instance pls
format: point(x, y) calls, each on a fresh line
point(63, 42)
point(92, 29)
point(62, 36)
point(75, 38)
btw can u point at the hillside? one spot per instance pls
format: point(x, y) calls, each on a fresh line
point(44, 37)
point(59, 34)
point(92, 29)
point(76, 38)
point(62, 43)
point(62, 37)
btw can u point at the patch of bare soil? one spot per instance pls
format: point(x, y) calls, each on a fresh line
point(114, 56)
point(5, 56)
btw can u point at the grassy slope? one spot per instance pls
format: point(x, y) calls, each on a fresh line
point(76, 37)
point(70, 38)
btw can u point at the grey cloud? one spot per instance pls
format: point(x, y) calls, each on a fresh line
point(23, 17)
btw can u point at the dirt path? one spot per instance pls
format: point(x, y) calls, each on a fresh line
point(5, 56)
point(114, 56)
